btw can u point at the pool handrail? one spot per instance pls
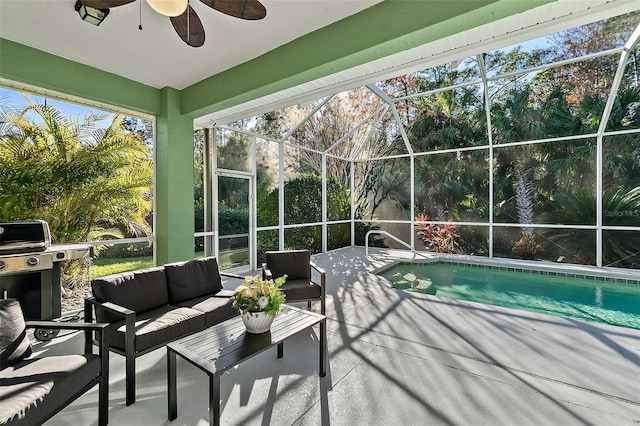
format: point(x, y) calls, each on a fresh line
point(393, 237)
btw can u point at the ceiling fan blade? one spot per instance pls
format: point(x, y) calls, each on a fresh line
point(251, 10)
point(105, 4)
point(189, 27)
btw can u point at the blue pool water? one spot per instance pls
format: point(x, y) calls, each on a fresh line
point(585, 299)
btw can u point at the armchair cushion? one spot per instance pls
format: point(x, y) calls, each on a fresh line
point(294, 263)
point(14, 343)
point(191, 279)
point(45, 384)
point(301, 290)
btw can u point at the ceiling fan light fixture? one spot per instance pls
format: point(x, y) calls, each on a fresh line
point(170, 8)
point(90, 14)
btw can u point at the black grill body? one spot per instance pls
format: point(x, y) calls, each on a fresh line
point(30, 267)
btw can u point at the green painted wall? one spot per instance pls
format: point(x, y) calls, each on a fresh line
point(384, 29)
point(37, 68)
point(174, 227)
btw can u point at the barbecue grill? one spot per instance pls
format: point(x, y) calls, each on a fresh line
point(30, 269)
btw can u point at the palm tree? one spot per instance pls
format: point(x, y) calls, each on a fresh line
point(86, 181)
point(620, 207)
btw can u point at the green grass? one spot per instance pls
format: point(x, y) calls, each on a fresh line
point(102, 267)
point(228, 259)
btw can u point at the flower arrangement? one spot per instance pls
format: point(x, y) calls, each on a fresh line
point(259, 295)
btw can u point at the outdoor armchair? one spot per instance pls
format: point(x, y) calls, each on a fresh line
point(34, 389)
point(299, 285)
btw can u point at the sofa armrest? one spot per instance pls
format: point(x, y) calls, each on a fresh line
point(266, 272)
point(111, 307)
point(323, 286)
point(122, 312)
point(117, 309)
point(230, 275)
point(226, 284)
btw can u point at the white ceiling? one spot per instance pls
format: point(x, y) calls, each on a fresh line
point(156, 55)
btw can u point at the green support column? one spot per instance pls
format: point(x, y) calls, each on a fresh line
point(174, 225)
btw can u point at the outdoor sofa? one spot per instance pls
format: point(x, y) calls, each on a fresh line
point(148, 308)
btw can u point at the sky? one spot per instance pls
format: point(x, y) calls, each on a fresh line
point(12, 98)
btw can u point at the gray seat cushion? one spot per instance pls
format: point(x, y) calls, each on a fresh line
point(300, 290)
point(33, 388)
point(191, 279)
point(225, 293)
point(139, 291)
point(158, 326)
point(216, 308)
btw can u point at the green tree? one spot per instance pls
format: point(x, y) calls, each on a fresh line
point(198, 180)
point(620, 207)
point(303, 197)
point(138, 126)
point(450, 185)
point(341, 123)
point(86, 181)
point(593, 76)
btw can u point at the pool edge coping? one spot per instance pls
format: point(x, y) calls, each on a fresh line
point(585, 272)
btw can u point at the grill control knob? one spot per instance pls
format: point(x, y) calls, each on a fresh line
point(3, 265)
point(33, 261)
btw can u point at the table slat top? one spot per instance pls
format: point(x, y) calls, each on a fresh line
point(225, 345)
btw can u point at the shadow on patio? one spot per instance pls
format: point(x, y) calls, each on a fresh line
point(399, 358)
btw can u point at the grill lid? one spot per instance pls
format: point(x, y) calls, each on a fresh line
point(24, 237)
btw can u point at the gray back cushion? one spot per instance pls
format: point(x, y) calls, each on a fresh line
point(296, 264)
point(139, 291)
point(191, 279)
point(14, 343)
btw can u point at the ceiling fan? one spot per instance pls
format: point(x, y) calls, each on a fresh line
point(185, 20)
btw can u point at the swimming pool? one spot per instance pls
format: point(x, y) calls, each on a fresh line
point(590, 298)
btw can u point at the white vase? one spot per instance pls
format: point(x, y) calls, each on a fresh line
point(257, 322)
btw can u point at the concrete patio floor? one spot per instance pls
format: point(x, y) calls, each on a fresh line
point(400, 358)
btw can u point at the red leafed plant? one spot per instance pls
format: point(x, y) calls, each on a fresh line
point(441, 238)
